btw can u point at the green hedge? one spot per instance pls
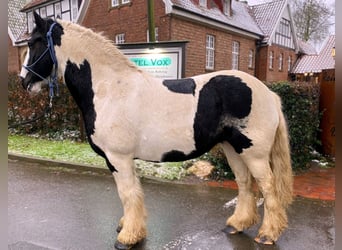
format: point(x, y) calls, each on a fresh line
point(62, 122)
point(301, 107)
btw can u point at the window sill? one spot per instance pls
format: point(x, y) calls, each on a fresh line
point(119, 6)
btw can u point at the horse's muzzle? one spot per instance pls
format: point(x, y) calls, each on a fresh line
point(25, 83)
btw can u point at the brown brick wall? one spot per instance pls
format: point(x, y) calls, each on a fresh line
point(195, 53)
point(13, 58)
point(16, 56)
point(130, 19)
point(272, 75)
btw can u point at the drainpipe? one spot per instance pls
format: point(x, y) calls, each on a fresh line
point(150, 16)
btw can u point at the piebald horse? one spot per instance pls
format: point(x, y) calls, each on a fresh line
point(129, 114)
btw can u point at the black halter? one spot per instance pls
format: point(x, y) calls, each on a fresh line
point(53, 77)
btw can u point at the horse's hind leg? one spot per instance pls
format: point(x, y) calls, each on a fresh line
point(245, 214)
point(132, 227)
point(275, 218)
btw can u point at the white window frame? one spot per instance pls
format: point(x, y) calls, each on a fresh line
point(289, 63)
point(271, 58)
point(203, 3)
point(155, 32)
point(43, 12)
point(65, 9)
point(210, 52)
point(251, 59)
point(226, 7)
point(281, 59)
point(58, 10)
point(50, 10)
point(283, 34)
point(120, 38)
point(235, 54)
point(74, 10)
point(116, 3)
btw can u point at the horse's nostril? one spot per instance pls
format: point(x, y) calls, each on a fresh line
point(23, 83)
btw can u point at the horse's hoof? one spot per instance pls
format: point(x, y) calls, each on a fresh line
point(118, 229)
point(231, 230)
point(264, 240)
point(120, 246)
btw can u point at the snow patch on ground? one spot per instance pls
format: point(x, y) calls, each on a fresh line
point(233, 202)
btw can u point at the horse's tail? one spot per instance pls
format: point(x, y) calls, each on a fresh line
point(281, 160)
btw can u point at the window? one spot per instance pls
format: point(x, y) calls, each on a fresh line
point(210, 52)
point(155, 32)
point(226, 7)
point(203, 3)
point(120, 38)
point(271, 59)
point(58, 12)
point(65, 5)
point(289, 63)
point(251, 58)
point(235, 55)
point(49, 10)
point(74, 9)
point(116, 3)
point(43, 12)
point(283, 34)
point(280, 66)
point(64, 9)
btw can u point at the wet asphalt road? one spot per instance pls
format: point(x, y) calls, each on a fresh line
point(51, 206)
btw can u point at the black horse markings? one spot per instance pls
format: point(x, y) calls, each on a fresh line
point(224, 104)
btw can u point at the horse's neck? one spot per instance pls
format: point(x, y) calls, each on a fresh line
point(79, 44)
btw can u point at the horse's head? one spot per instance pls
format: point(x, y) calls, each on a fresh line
point(39, 62)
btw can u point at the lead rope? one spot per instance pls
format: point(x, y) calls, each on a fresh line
point(53, 78)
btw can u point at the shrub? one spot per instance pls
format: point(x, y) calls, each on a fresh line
point(62, 121)
point(301, 107)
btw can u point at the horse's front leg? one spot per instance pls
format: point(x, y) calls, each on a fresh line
point(133, 224)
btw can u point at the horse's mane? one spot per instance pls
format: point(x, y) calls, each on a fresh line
point(103, 43)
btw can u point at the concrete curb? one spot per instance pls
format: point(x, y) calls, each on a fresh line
point(33, 159)
point(303, 187)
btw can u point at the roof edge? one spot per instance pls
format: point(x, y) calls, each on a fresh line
point(26, 9)
point(189, 15)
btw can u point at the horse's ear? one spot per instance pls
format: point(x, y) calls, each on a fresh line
point(40, 22)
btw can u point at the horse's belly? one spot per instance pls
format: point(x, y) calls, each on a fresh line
point(156, 143)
